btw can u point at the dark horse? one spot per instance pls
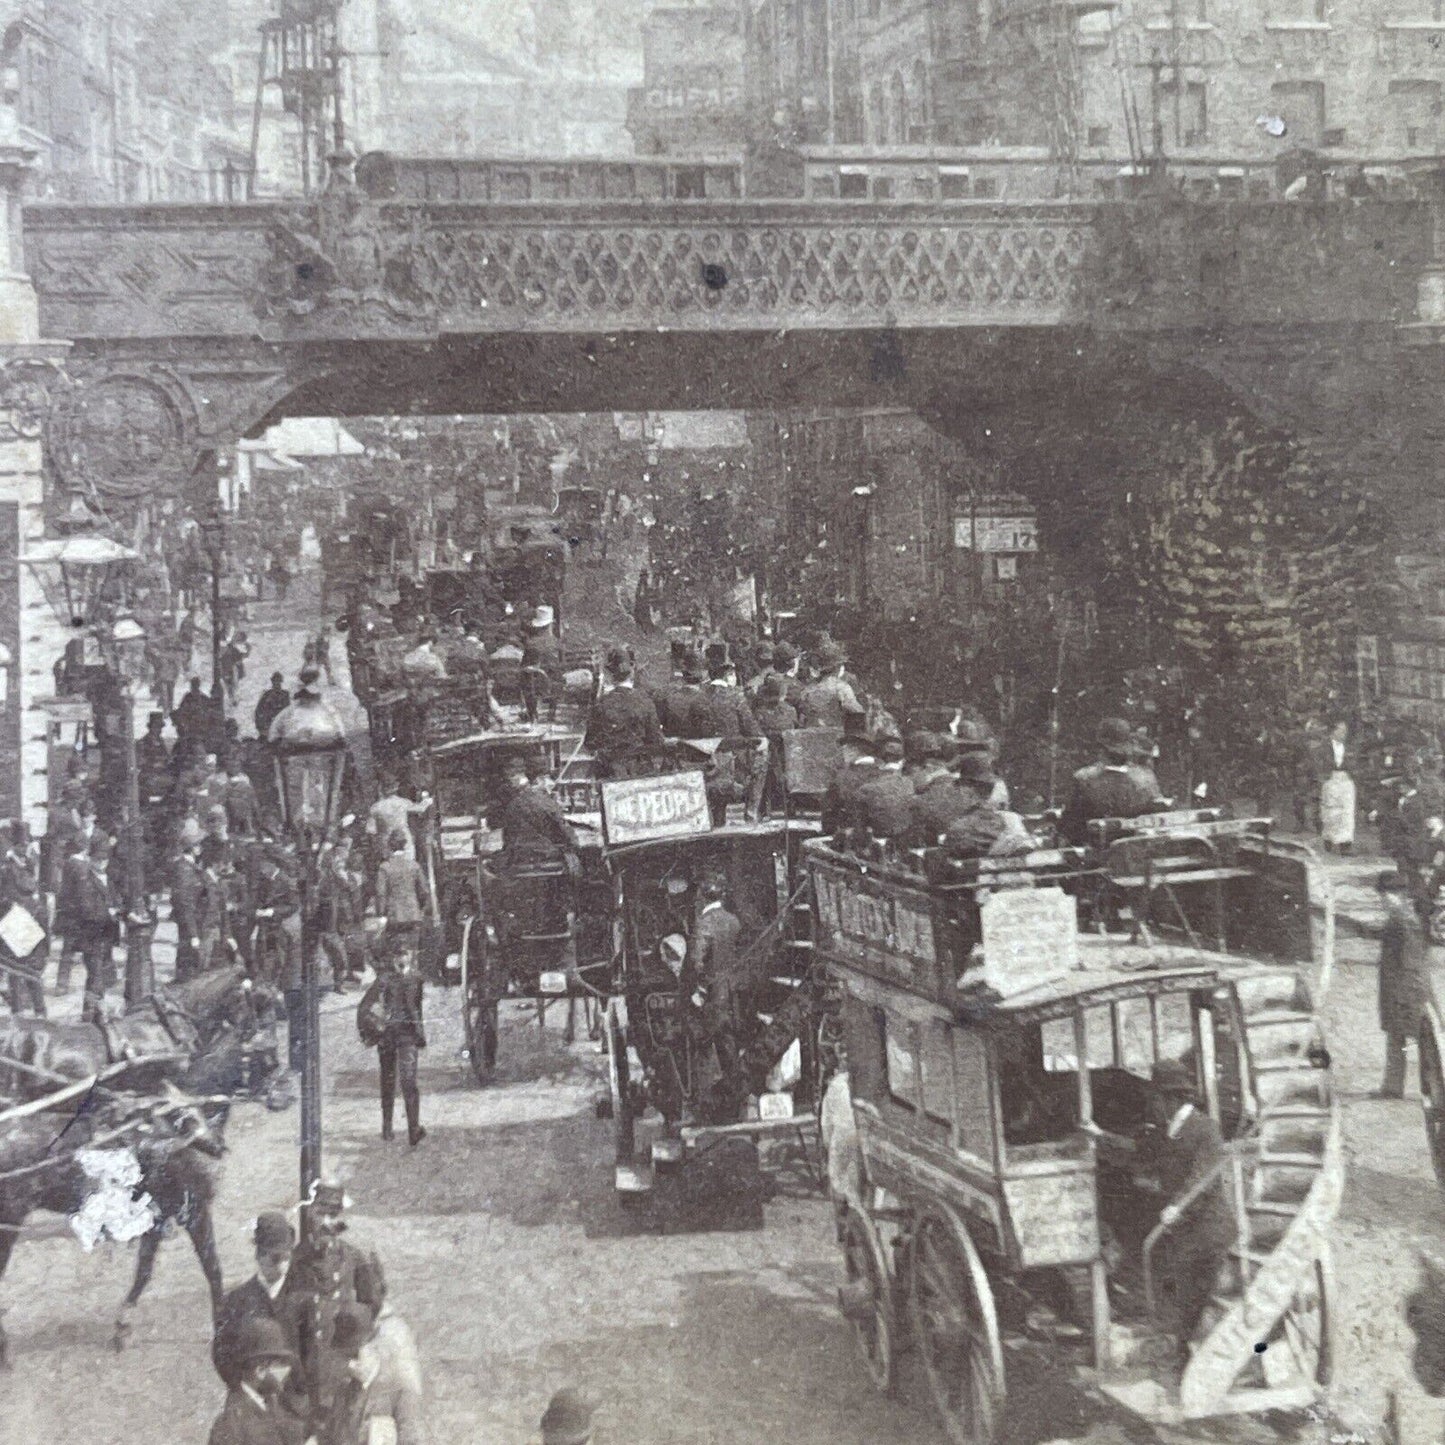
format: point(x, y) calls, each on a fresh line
point(176, 1142)
point(194, 1034)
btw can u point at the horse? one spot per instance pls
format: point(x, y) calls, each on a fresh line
point(175, 1142)
point(179, 1034)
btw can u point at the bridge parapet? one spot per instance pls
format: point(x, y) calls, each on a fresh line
point(350, 268)
point(357, 268)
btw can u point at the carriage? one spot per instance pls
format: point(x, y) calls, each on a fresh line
point(509, 926)
point(996, 1013)
point(671, 1093)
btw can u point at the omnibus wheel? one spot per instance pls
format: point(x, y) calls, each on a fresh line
point(951, 1313)
point(1432, 1090)
point(867, 1298)
point(1302, 1343)
point(479, 1000)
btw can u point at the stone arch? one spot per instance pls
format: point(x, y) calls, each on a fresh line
point(897, 109)
point(877, 115)
point(921, 112)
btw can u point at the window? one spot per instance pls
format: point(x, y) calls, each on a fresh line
point(898, 111)
point(901, 1057)
point(688, 184)
point(1415, 111)
point(936, 1071)
point(877, 119)
point(1367, 669)
point(882, 188)
point(1295, 12)
point(1301, 105)
point(953, 185)
point(1038, 1083)
point(1098, 135)
point(1184, 110)
point(853, 185)
point(984, 188)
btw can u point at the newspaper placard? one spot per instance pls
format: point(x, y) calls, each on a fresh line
point(19, 931)
point(671, 806)
point(1030, 936)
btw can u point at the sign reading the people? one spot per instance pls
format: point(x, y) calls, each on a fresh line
point(671, 806)
point(876, 924)
point(1030, 936)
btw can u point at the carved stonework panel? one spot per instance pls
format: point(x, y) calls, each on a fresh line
point(29, 389)
point(348, 267)
point(126, 433)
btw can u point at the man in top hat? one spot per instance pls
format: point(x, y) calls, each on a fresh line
point(1110, 788)
point(885, 800)
point(254, 1413)
point(192, 716)
point(937, 799)
point(720, 709)
point(714, 977)
point(260, 1297)
point(981, 829)
point(532, 822)
point(20, 889)
point(92, 917)
point(624, 720)
point(856, 767)
point(825, 703)
point(541, 663)
point(674, 702)
point(399, 986)
point(187, 885)
point(772, 711)
point(568, 1419)
point(762, 659)
point(271, 704)
point(327, 1272)
point(1182, 1147)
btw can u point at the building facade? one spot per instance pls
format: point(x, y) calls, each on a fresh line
point(1234, 97)
point(123, 102)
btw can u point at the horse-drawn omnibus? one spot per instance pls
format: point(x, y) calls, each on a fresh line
point(990, 1036)
point(508, 926)
point(681, 1077)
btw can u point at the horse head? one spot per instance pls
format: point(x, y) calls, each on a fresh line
point(1425, 1312)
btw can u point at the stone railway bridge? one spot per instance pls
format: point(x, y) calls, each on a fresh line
point(194, 325)
point(169, 330)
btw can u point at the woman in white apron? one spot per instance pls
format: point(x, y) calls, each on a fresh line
point(1337, 794)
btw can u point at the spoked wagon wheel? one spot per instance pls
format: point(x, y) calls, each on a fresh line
point(479, 1000)
point(951, 1312)
point(867, 1297)
point(1432, 1090)
point(1301, 1346)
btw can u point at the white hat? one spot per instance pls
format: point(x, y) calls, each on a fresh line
point(673, 949)
point(542, 617)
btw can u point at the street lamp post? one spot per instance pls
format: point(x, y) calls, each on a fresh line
point(127, 655)
point(308, 745)
point(213, 539)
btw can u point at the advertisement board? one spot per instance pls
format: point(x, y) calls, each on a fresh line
point(671, 806)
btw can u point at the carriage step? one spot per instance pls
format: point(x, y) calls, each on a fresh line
point(630, 1180)
point(1265, 1018)
point(1291, 1160)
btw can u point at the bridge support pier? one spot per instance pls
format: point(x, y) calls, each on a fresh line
point(30, 636)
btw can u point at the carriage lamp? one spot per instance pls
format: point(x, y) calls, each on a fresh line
point(308, 745)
